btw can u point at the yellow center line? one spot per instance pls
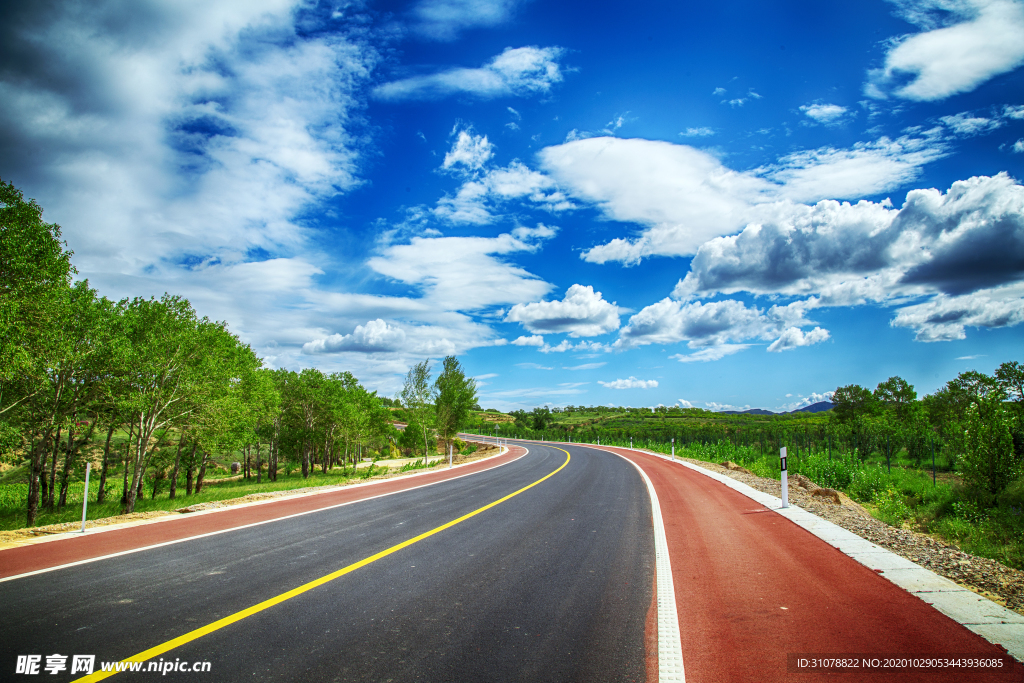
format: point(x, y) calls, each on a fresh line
point(276, 600)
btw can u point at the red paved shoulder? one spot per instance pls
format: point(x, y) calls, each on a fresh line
point(752, 587)
point(30, 558)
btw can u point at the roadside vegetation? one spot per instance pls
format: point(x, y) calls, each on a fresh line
point(171, 409)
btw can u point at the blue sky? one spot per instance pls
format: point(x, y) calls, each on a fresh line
point(723, 205)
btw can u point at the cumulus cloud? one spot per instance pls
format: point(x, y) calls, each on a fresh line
point(969, 238)
point(444, 20)
point(469, 152)
point(581, 313)
point(794, 337)
point(477, 200)
point(1018, 146)
point(828, 114)
point(375, 337)
point(520, 71)
point(687, 196)
point(631, 383)
point(935, 64)
point(963, 248)
point(482, 278)
point(535, 340)
point(684, 197)
point(945, 318)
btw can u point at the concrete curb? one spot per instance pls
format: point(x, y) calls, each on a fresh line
point(991, 621)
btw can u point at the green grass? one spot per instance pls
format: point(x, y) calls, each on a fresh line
point(901, 495)
point(13, 516)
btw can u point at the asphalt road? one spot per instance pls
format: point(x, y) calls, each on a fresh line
point(553, 584)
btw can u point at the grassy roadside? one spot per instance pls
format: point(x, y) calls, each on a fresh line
point(217, 489)
point(901, 495)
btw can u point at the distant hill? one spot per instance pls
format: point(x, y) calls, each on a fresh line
point(819, 407)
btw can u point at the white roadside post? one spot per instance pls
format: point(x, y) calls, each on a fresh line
point(449, 456)
point(785, 478)
point(85, 496)
point(673, 448)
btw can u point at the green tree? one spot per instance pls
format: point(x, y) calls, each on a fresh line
point(852, 402)
point(455, 396)
point(897, 396)
point(35, 270)
point(987, 460)
point(416, 396)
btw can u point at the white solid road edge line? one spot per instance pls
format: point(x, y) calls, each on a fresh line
point(670, 649)
point(246, 526)
point(988, 619)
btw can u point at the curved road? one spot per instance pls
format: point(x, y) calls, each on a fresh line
point(546, 575)
point(553, 584)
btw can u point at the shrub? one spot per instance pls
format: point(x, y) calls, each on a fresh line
point(867, 484)
point(892, 508)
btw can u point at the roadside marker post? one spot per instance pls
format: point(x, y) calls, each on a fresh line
point(673, 448)
point(85, 496)
point(785, 478)
point(449, 456)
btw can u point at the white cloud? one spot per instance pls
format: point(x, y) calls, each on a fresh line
point(585, 366)
point(1018, 146)
point(701, 324)
point(964, 247)
point(700, 132)
point(965, 125)
point(470, 152)
point(480, 278)
point(520, 71)
point(582, 313)
point(711, 353)
point(478, 199)
point(794, 337)
point(683, 403)
point(631, 383)
point(866, 168)
point(1014, 112)
point(445, 19)
point(829, 114)
point(684, 197)
point(945, 318)
point(535, 340)
point(938, 63)
point(376, 336)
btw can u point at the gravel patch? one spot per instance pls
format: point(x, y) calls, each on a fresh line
point(986, 577)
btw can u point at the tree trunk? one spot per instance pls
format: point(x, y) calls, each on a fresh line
point(65, 475)
point(190, 471)
point(103, 470)
point(202, 472)
point(53, 470)
point(177, 466)
point(305, 461)
point(259, 472)
point(38, 461)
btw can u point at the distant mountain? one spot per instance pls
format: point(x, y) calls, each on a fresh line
point(819, 407)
